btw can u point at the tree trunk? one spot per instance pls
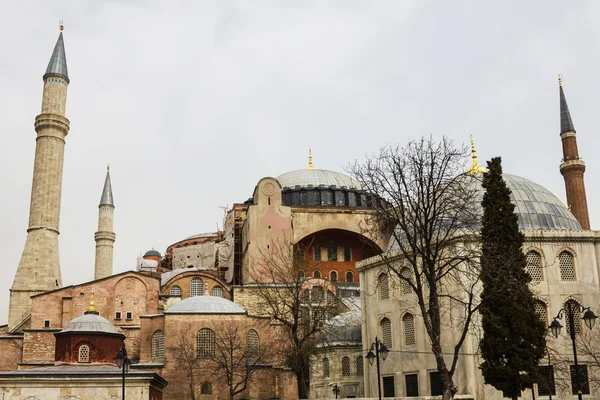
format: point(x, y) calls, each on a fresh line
point(302, 390)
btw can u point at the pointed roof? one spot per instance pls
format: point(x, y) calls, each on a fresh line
point(58, 61)
point(107, 195)
point(566, 123)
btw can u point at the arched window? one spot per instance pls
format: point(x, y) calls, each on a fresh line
point(573, 307)
point(541, 310)
point(175, 291)
point(317, 294)
point(534, 266)
point(158, 345)
point(84, 354)
point(217, 291)
point(196, 287)
point(406, 275)
point(326, 367)
point(206, 388)
point(359, 366)
point(252, 346)
point(205, 343)
point(384, 290)
point(345, 366)
point(317, 274)
point(349, 277)
point(386, 332)
point(408, 323)
point(333, 275)
point(567, 266)
point(300, 273)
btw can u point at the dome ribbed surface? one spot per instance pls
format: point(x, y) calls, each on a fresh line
point(316, 177)
point(90, 323)
point(205, 304)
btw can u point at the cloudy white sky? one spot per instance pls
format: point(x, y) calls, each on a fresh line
point(193, 102)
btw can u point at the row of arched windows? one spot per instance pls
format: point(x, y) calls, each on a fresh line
point(196, 289)
point(333, 275)
point(206, 344)
point(408, 327)
point(345, 367)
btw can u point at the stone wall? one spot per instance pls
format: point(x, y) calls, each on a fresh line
point(11, 349)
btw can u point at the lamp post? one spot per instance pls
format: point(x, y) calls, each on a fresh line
point(379, 348)
point(123, 363)
point(336, 390)
point(588, 317)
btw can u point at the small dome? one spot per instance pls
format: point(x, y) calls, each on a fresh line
point(90, 323)
point(205, 304)
point(316, 177)
point(152, 253)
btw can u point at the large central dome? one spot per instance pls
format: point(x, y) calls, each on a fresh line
point(315, 177)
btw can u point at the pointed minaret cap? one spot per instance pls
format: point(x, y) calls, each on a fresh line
point(475, 168)
point(107, 195)
point(58, 61)
point(566, 123)
point(310, 163)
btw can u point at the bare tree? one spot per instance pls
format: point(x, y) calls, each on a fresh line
point(299, 304)
point(430, 206)
point(183, 353)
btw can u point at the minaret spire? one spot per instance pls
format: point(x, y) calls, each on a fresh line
point(105, 237)
point(475, 168)
point(572, 167)
point(39, 268)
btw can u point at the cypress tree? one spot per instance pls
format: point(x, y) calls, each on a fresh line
point(513, 335)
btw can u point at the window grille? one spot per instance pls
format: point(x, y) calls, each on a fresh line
point(205, 343)
point(217, 291)
point(158, 345)
point(408, 321)
point(435, 381)
point(349, 277)
point(317, 252)
point(412, 385)
point(546, 383)
point(334, 276)
point(347, 253)
point(360, 370)
point(345, 366)
point(206, 388)
point(196, 287)
point(573, 307)
point(583, 379)
point(567, 266)
point(317, 274)
point(541, 311)
point(326, 367)
point(84, 354)
point(317, 294)
point(175, 291)
point(389, 389)
point(384, 292)
point(405, 274)
point(331, 251)
point(534, 266)
point(252, 346)
point(386, 332)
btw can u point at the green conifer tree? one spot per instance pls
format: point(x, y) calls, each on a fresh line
point(513, 334)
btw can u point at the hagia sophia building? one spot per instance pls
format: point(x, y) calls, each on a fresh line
point(60, 341)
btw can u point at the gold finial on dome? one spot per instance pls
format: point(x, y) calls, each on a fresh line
point(92, 303)
point(475, 168)
point(559, 80)
point(61, 26)
point(310, 163)
point(108, 167)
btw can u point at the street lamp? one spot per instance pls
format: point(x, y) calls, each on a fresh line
point(123, 363)
point(379, 348)
point(590, 320)
point(336, 390)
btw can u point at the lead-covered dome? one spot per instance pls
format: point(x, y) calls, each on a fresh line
point(91, 322)
point(205, 304)
point(305, 178)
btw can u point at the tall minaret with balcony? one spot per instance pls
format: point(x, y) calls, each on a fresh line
point(105, 237)
point(572, 167)
point(39, 269)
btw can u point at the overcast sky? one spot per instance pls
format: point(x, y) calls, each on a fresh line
point(193, 102)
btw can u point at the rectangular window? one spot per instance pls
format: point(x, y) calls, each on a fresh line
point(347, 253)
point(583, 379)
point(118, 315)
point(546, 384)
point(46, 324)
point(129, 315)
point(331, 251)
point(412, 385)
point(340, 199)
point(317, 252)
point(389, 389)
point(435, 381)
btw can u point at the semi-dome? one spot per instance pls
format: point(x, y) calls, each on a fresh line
point(205, 304)
point(343, 329)
point(152, 253)
point(316, 177)
point(91, 322)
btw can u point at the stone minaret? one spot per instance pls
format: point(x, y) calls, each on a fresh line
point(572, 166)
point(105, 237)
point(39, 269)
